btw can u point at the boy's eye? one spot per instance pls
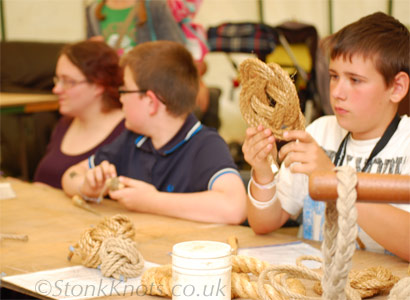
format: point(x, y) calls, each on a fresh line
point(355, 80)
point(333, 76)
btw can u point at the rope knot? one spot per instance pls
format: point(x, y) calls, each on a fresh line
point(111, 246)
point(269, 97)
point(120, 258)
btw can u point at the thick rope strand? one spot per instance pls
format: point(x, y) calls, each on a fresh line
point(340, 252)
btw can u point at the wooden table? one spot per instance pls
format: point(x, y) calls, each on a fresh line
point(27, 103)
point(52, 223)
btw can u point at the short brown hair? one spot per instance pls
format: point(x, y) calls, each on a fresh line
point(377, 36)
point(167, 69)
point(100, 65)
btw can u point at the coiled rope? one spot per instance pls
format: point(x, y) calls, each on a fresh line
point(110, 246)
point(281, 282)
point(159, 279)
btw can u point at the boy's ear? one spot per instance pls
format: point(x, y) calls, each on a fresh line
point(400, 87)
point(154, 102)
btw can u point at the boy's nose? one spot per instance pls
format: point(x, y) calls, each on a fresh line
point(338, 90)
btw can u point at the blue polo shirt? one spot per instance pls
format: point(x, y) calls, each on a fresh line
point(190, 162)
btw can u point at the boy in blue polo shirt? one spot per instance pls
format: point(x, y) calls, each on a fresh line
point(168, 161)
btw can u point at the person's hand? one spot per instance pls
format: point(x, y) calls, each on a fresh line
point(305, 152)
point(134, 194)
point(95, 178)
point(259, 143)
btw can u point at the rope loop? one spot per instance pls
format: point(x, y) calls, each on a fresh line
point(269, 97)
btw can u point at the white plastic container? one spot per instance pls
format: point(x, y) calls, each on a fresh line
point(201, 270)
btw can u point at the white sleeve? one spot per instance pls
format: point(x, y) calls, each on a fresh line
point(291, 189)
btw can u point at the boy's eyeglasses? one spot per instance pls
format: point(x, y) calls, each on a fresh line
point(121, 91)
point(67, 83)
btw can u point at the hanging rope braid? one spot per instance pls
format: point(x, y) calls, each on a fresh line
point(338, 247)
point(339, 237)
point(110, 246)
point(269, 97)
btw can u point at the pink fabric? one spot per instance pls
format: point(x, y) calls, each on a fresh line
point(184, 12)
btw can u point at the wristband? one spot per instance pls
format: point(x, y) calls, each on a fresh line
point(259, 204)
point(90, 199)
point(267, 186)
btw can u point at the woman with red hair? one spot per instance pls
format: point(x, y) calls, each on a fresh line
point(87, 80)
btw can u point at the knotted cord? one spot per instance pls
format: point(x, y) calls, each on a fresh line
point(110, 246)
point(269, 97)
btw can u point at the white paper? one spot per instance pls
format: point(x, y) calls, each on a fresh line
point(283, 254)
point(78, 282)
point(6, 191)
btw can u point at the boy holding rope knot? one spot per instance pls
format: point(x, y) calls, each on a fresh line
point(169, 163)
point(369, 77)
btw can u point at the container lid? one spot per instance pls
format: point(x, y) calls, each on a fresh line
point(201, 249)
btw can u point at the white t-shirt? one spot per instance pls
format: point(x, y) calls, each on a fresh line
point(394, 158)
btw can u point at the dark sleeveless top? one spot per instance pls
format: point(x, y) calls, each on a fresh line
point(54, 163)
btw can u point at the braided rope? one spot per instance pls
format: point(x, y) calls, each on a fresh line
point(339, 238)
point(269, 97)
point(110, 246)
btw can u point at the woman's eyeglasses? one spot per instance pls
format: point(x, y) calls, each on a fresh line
point(67, 83)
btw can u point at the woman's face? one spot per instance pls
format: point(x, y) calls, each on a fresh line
point(75, 93)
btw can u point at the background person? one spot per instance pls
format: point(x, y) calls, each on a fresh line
point(168, 161)
point(87, 79)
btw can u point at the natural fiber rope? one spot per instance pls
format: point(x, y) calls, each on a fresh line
point(111, 184)
point(17, 237)
point(269, 97)
point(339, 237)
point(159, 279)
point(339, 245)
point(110, 246)
point(368, 282)
point(270, 285)
point(401, 290)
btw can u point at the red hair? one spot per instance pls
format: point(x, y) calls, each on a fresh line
point(100, 65)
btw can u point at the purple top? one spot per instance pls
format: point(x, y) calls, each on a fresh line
point(54, 163)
